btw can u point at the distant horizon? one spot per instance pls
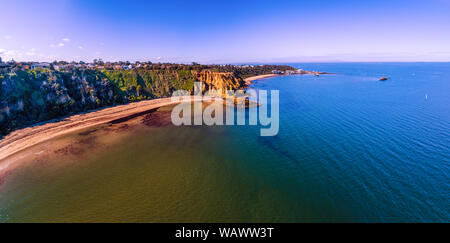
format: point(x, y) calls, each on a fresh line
point(182, 31)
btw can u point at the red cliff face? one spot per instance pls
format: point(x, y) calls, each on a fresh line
point(218, 80)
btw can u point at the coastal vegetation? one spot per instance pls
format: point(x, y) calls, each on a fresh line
point(29, 96)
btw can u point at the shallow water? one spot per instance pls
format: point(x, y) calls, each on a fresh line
point(350, 149)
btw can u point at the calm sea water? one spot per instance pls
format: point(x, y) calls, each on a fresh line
point(350, 149)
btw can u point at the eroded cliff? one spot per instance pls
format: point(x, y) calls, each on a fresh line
point(32, 96)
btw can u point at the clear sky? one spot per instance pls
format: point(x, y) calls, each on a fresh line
point(221, 31)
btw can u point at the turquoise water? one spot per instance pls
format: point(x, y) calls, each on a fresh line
point(350, 149)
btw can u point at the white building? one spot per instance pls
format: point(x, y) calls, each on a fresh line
point(40, 65)
point(129, 67)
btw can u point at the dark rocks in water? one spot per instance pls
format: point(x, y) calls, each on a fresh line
point(127, 118)
point(158, 119)
point(244, 102)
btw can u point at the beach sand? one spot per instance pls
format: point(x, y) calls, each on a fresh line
point(249, 81)
point(25, 138)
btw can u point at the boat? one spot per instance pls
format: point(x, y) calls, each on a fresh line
point(384, 79)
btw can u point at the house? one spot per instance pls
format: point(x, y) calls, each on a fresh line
point(129, 67)
point(40, 65)
point(59, 67)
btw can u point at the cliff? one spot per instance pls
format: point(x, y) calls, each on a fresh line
point(28, 97)
point(220, 80)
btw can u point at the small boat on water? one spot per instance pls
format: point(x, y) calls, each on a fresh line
point(384, 79)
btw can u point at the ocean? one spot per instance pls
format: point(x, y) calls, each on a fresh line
point(349, 149)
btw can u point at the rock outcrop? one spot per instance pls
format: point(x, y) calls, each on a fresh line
point(219, 80)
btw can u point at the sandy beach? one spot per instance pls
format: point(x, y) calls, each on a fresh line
point(27, 137)
point(249, 81)
point(30, 136)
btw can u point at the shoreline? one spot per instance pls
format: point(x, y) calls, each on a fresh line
point(249, 81)
point(25, 138)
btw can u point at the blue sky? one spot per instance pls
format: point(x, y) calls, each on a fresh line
point(224, 31)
